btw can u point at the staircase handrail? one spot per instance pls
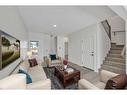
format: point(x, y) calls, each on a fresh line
point(120, 31)
point(108, 28)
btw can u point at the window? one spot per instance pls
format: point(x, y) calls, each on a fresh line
point(34, 47)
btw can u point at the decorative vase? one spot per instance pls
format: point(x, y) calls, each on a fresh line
point(65, 67)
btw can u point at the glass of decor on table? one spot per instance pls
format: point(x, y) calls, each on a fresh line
point(65, 62)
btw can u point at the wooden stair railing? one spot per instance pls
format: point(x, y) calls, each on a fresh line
point(107, 28)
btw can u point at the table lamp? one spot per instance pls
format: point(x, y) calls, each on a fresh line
point(29, 54)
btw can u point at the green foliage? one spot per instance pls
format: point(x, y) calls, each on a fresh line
point(18, 41)
point(11, 59)
point(5, 41)
point(6, 55)
point(16, 45)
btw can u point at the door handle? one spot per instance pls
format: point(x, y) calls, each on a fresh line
point(92, 54)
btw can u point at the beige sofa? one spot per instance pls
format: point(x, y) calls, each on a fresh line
point(18, 81)
point(104, 77)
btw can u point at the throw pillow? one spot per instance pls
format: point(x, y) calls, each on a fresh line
point(117, 82)
point(53, 57)
point(33, 62)
point(28, 78)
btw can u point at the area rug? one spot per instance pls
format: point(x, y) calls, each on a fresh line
point(55, 83)
point(85, 73)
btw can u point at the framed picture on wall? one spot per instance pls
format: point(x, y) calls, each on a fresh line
point(9, 49)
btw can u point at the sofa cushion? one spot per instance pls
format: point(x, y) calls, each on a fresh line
point(33, 62)
point(106, 75)
point(24, 66)
point(100, 85)
point(117, 82)
point(55, 61)
point(28, 78)
point(42, 84)
point(84, 84)
point(14, 81)
point(37, 73)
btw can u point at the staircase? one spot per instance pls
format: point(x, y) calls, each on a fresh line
point(114, 62)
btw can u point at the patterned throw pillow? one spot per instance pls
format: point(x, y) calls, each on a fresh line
point(28, 78)
point(33, 62)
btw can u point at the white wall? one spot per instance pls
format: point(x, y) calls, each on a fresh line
point(44, 44)
point(60, 46)
point(119, 38)
point(103, 45)
point(66, 48)
point(53, 45)
point(117, 24)
point(11, 23)
point(74, 45)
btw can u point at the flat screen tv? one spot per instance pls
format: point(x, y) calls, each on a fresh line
point(9, 49)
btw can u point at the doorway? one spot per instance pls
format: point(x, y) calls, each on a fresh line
point(87, 52)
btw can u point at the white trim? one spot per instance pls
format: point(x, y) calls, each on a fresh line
point(126, 43)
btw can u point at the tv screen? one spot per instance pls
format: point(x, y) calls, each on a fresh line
point(9, 49)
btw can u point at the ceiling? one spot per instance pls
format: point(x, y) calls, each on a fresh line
point(67, 19)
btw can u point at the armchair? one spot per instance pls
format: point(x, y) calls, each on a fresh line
point(53, 61)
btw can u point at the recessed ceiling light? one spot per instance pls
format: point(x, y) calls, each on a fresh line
point(54, 25)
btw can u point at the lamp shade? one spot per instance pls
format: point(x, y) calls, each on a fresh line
point(65, 39)
point(29, 53)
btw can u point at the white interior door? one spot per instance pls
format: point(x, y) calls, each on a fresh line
point(88, 52)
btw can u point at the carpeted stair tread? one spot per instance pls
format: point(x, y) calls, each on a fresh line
point(121, 60)
point(111, 62)
point(114, 55)
point(114, 62)
point(114, 65)
point(113, 69)
point(116, 48)
point(115, 51)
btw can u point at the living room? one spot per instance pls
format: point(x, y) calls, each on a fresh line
point(67, 32)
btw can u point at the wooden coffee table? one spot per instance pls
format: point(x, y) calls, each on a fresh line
point(65, 78)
